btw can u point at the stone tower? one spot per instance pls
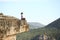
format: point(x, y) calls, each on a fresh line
point(24, 26)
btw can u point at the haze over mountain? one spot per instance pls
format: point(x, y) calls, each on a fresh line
point(35, 25)
point(54, 24)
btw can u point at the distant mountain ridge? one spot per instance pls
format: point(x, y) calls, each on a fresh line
point(35, 25)
point(54, 24)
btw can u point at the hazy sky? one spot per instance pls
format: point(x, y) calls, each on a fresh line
point(42, 11)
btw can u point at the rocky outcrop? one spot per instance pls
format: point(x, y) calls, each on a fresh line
point(10, 26)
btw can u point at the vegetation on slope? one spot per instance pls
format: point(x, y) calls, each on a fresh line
point(31, 34)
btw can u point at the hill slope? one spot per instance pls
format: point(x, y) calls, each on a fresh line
point(53, 30)
point(33, 33)
point(54, 24)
